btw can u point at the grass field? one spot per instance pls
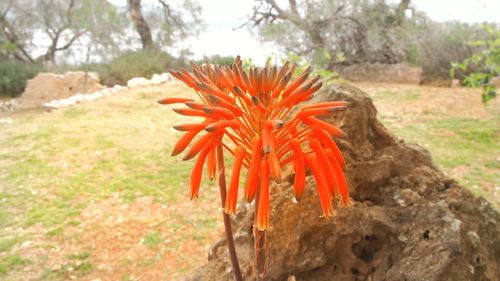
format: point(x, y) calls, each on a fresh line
point(91, 191)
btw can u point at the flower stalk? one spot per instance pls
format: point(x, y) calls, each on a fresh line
point(227, 223)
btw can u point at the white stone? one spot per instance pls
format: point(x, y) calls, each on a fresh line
point(138, 82)
point(160, 78)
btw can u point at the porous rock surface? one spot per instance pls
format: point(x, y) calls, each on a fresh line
point(409, 222)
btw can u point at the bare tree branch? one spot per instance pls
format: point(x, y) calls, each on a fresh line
point(12, 36)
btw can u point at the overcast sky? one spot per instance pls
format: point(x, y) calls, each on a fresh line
point(222, 16)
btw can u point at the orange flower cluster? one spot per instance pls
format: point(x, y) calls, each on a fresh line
point(251, 110)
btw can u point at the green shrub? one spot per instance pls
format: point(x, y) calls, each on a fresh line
point(133, 64)
point(485, 63)
point(441, 44)
point(217, 59)
point(14, 75)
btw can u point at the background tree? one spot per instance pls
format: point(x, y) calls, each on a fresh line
point(331, 32)
point(140, 24)
point(55, 26)
point(163, 22)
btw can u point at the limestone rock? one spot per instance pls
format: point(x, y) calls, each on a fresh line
point(409, 222)
point(45, 87)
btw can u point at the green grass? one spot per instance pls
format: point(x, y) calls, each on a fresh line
point(79, 269)
point(6, 243)
point(455, 142)
point(393, 95)
point(79, 256)
point(460, 142)
point(52, 166)
point(152, 239)
point(11, 262)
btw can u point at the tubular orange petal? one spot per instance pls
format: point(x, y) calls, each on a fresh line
point(274, 166)
point(320, 111)
point(263, 208)
point(174, 100)
point(325, 126)
point(328, 142)
point(258, 104)
point(218, 125)
point(237, 74)
point(283, 71)
point(212, 90)
point(253, 171)
point(306, 95)
point(295, 94)
point(342, 182)
point(195, 105)
point(182, 77)
point(248, 84)
point(211, 163)
point(197, 170)
point(190, 127)
point(218, 112)
point(222, 103)
point(325, 165)
point(184, 141)
point(222, 77)
point(325, 104)
point(333, 173)
point(190, 112)
point(297, 82)
point(267, 139)
point(281, 85)
point(324, 195)
point(187, 78)
point(239, 92)
point(198, 145)
point(299, 168)
point(232, 195)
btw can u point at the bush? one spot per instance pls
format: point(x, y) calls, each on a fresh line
point(485, 61)
point(442, 44)
point(217, 59)
point(14, 75)
point(133, 64)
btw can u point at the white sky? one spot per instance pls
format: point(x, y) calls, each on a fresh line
point(222, 16)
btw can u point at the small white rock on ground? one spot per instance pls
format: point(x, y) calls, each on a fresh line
point(78, 98)
point(156, 79)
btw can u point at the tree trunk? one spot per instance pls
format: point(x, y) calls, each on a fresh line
point(400, 13)
point(142, 27)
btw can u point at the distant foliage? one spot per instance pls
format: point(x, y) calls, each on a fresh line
point(338, 32)
point(217, 59)
point(486, 63)
point(441, 44)
point(133, 64)
point(14, 76)
point(327, 76)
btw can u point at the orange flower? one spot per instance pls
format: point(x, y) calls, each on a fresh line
point(249, 113)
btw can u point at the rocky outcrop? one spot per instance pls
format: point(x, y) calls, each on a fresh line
point(409, 222)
